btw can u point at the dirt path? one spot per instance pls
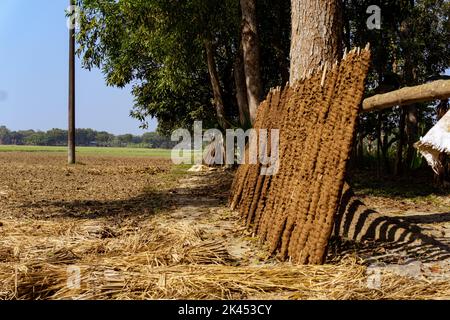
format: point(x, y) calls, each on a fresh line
point(201, 203)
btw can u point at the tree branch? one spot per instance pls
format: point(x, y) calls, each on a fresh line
point(437, 90)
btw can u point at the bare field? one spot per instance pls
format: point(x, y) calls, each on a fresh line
point(42, 186)
point(140, 228)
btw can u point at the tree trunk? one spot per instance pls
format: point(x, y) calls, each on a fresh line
point(401, 142)
point(410, 77)
point(412, 126)
point(241, 90)
point(250, 45)
point(378, 132)
point(437, 90)
point(215, 83)
point(384, 151)
point(346, 22)
point(360, 150)
point(316, 36)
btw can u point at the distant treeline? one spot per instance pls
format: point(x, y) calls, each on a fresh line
point(84, 137)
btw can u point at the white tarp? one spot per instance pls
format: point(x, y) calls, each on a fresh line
point(435, 142)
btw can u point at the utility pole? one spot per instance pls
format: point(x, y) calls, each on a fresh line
point(71, 129)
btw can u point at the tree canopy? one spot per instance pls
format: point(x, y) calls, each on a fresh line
point(159, 48)
point(84, 137)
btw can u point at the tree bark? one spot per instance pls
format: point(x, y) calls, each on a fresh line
point(412, 125)
point(215, 83)
point(378, 132)
point(241, 90)
point(316, 36)
point(360, 150)
point(437, 90)
point(401, 141)
point(250, 45)
point(384, 151)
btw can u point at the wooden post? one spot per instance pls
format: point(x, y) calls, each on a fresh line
point(71, 128)
point(437, 90)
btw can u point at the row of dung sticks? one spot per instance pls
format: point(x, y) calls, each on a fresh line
point(293, 210)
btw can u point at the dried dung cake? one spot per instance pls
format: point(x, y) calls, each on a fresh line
point(293, 211)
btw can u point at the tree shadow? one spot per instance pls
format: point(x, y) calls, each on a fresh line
point(364, 231)
point(358, 229)
point(389, 252)
point(149, 202)
point(417, 183)
point(428, 218)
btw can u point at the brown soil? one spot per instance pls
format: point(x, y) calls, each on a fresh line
point(38, 186)
point(140, 229)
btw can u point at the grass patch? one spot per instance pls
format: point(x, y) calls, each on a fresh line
point(92, 151)
point(169, 179)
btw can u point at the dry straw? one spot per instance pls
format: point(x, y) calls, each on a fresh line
point(172, 260)
point(347, 280)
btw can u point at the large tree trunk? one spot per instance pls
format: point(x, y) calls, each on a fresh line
point(316, 35)
point(250, 44)
point(241, 90)
point(215, 83)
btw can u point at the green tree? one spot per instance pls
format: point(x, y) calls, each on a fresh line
point(159, 46)
point(183, 58)
point(104, 139)
point(38, 138)
point(57, 137)
point(411, 46)
point(5, 135)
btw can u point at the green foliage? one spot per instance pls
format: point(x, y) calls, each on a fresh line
point(157, 46)
point(412, 32)
point(411, 47)
point(84, 137)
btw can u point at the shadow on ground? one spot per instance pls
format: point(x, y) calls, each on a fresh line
point(149, 202)
point(369, 233)
point(376, 234)
point(415, 184)
point(390, 252)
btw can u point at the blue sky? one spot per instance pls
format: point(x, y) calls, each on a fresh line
point(33, 74)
